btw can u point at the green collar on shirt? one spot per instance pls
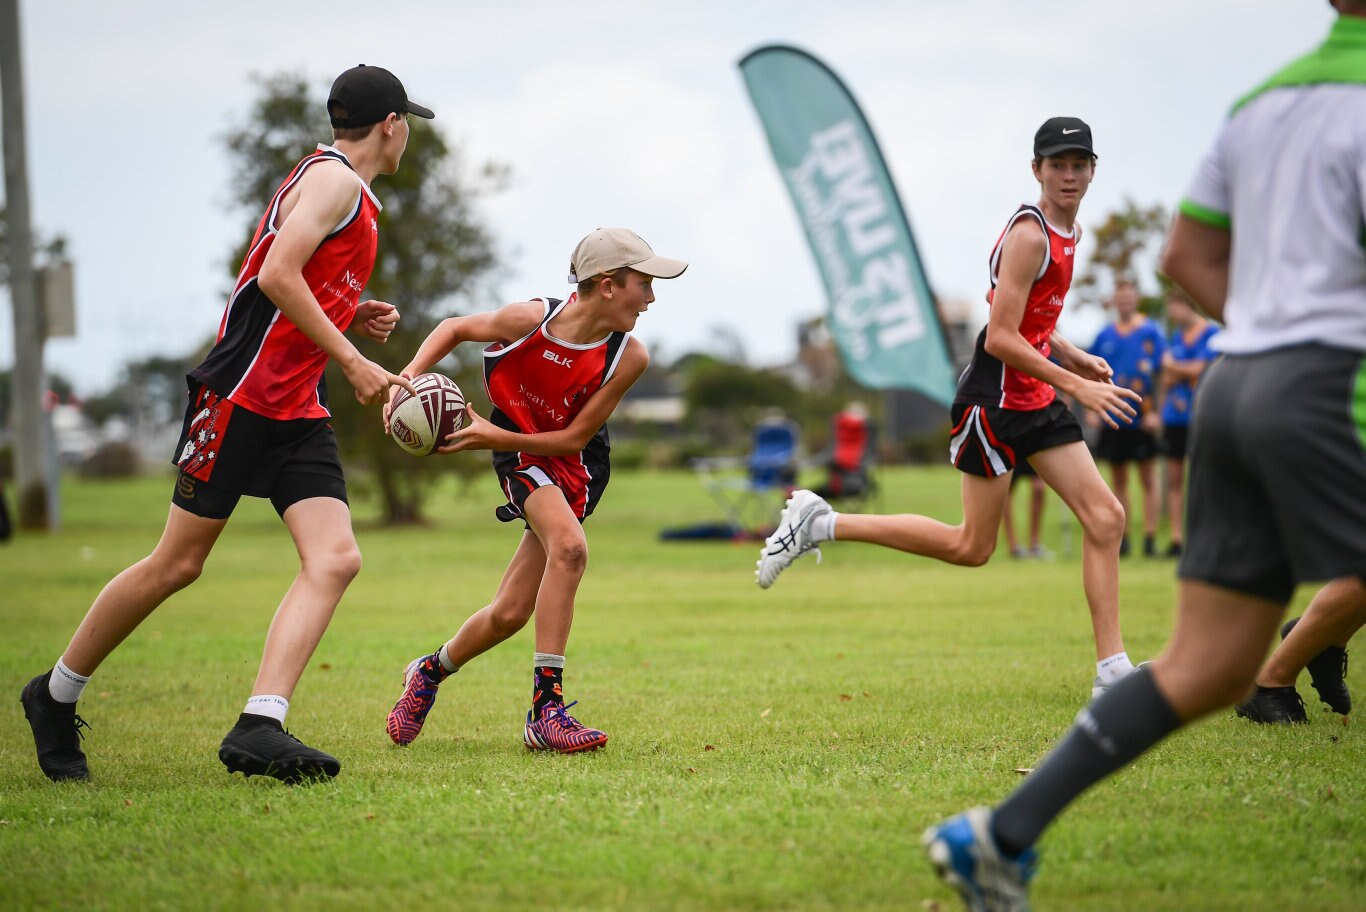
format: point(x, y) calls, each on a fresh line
point(1340, 59)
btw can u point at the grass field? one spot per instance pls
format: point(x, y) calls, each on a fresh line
point(770, 750)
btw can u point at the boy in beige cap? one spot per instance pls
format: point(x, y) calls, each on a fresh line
point(554, 371)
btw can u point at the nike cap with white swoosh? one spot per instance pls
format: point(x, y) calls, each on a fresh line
point(1063, 134)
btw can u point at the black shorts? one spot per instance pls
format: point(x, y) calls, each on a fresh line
point(1126, 444)
point(581, 478)
point(226, 451)
point(1174, 440)
point(990, 441)
point(1278, 472)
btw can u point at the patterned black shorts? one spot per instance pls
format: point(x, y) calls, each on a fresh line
point(226, 451)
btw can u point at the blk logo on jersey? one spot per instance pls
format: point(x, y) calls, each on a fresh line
point(552, 356)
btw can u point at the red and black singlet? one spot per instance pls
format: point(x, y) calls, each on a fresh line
point(261, 360)
point(540, 383)
point(988, 381)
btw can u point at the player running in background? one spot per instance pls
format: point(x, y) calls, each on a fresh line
point(1268, 241)
point(1317, 641)
point(1132, 345)
point(1188, 354)
point(257, 424)
point(1038, 494)
point(554, 371)
point(1007, 409)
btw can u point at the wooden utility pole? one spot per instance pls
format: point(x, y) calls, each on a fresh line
point(27, 423)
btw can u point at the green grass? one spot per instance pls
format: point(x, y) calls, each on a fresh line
point(770, 750)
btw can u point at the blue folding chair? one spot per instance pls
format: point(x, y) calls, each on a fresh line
point(752, 499)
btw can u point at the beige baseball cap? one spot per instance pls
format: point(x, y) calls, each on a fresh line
point(612, 248)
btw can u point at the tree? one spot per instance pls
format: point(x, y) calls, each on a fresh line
point(724, 399)
point(150, 393)
point(435, 255)
point(1120, 246)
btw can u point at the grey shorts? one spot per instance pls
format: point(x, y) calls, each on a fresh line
point(1278, 471)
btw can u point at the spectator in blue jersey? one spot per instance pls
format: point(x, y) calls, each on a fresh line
point(1188, 353)
point(1133, 347)
point(554, 371)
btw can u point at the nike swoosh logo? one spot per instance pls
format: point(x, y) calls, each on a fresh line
point(1070, 132)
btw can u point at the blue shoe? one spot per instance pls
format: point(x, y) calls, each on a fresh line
point(964, 853)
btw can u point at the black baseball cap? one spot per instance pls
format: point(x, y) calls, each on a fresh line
point(1063, 134)
point(364, 95)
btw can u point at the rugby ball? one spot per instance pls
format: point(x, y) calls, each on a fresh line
point(421, 423)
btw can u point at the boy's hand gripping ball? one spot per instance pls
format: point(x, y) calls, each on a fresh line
point(422, 423)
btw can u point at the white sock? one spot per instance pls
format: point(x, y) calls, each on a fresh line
point(1114, 668)
point(823, 527)
point(64, 684)
point(548, 660)
point(269, 705)
point(444, 658)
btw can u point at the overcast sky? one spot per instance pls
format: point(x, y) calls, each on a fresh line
point(613, 113)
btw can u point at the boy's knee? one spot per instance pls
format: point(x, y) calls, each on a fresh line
point(342, 563)
point(570, 555)
point(182, 571)
point(347, 563)
point(1105, 521)
point(974, 552)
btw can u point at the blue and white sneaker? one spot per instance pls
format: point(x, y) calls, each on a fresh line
point(792, 538)
point(964, 853)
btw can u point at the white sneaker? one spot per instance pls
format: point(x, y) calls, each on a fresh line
point(792, 538)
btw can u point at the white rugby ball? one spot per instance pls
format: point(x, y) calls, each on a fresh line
point(421, 423)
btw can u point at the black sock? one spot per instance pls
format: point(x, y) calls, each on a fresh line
point(547, 688)
point(432, 669)
point(1110, 733)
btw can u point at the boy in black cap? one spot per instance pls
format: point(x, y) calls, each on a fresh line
point(257, 424)
point(1006, 410)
